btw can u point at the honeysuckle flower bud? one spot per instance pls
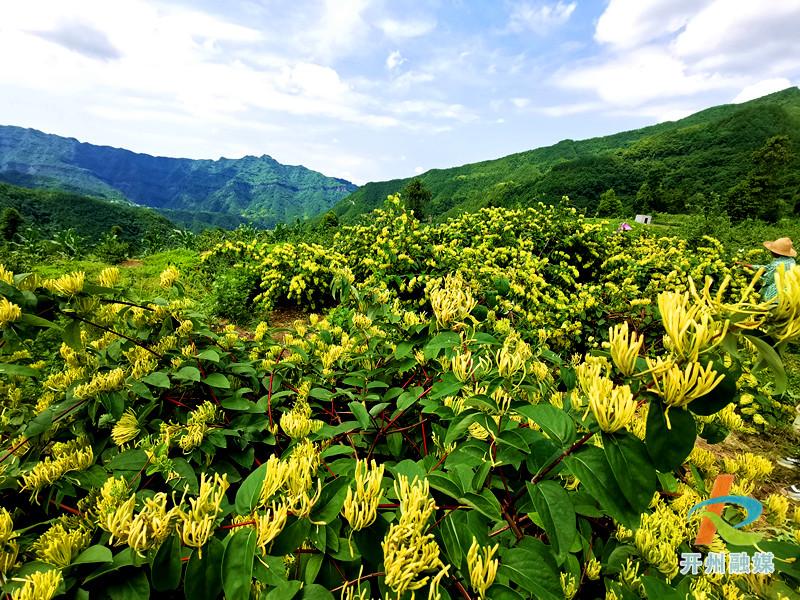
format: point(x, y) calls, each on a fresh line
point(482, 567)
point(9, 312)
point(68, 285)
point(126, 429)
point(678, 387)
point(691, 329)
point(593, 569)
point(612, 406)
point(109, 277)
point(625, 347)
point(270, 524)
point(169, 276)
point(568, 585)
point(59, 547)
point(41, 585)
point(198, 523)
point(361, 504)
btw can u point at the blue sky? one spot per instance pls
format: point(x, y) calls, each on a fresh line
point(378, 89)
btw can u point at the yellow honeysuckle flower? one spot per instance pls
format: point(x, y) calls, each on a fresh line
point(482, 567)
point(9, 312)
point(361, 505)
point(625, 347)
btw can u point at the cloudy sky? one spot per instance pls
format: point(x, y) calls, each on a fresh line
point(377, 89)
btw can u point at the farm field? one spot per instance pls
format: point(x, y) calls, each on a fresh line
point(512, 403)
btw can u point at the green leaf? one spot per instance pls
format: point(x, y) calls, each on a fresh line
point(448, 386)
point(403, 349)
point(166, 565)
point(445, 484)
point(37, 321)
point(292, 536)
point(18, 370)
point(446, 339)
point(531, 567)
point(316, 592)
point(554, 507)
point(554, 422)
point(460, 424)
point(312, 567)
point(456, 536)
point(158, 379)
point(669, 447)
point(93, 554)
point(513, 438)
point(769, 356)
point(71, 334)
point(237, 565)
point(129, 460)
point(285, 591)
point(656, 588)
point(188, 374)
point(485, 503)
point(210, 355)
point(203, 579)
point(217, 380)
point(133, 586)
point(360, 413)
point(591, 467)
point(718, 398)
point(249, 492)
point(632, 468)
point(330, 501)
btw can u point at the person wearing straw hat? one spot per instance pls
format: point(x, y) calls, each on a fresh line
point(783, 253)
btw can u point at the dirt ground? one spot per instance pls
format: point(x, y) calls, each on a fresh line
point(773, 445)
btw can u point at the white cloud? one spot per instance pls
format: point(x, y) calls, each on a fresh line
point(520, 102)
point(632, 78)
point(540, 17)
point(394, 60)
point(398, 29)
point(658, 51)
point(630, 23)
point(762, 88)
point(418, 170)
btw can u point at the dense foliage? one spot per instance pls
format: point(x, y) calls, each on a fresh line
point(502, 406)
point(711, 151)
point(254, 187)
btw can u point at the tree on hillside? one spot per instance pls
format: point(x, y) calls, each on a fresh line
point(645, 199)
point(416, 197)
point(610, 205)
point(758, 196)
point(330, 220)
point(10, 222)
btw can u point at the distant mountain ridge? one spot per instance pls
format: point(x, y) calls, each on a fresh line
point(255, 188)
point(709, 151)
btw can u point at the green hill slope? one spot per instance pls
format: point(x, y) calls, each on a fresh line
point(54, 211)
point(258, 188)
point(709, 151)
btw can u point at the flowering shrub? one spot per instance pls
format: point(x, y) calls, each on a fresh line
point(435, 437)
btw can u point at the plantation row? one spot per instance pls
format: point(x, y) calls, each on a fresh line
point(502, 406)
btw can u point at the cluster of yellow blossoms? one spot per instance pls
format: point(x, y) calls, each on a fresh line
point(75, 455)
point(411, 555)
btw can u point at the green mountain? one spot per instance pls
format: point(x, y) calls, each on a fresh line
point(51, 212)
point(709, 151)
point(257, 188)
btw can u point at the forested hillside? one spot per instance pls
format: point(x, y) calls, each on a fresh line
point(257, 188)
point(51, 212)
point(654, 168)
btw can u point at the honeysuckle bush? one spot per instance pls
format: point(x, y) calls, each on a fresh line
point(558, 278)
point(399, 447)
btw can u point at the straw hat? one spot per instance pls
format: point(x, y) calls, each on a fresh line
point(782, 246)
